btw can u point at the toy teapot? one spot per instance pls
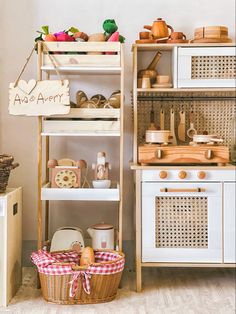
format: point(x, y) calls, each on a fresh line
point(102, 235)
point(159, 29)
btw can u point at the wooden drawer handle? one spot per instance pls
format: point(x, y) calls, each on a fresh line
point(159, 154)
point(183, 190)
point(209, 154)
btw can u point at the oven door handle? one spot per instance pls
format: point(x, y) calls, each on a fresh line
point(197, 190)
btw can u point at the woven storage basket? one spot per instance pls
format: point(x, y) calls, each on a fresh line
point(6, 165)
point(103, 287)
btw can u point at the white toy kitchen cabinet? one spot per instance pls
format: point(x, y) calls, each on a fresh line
point(10, 244)
point(229, 222)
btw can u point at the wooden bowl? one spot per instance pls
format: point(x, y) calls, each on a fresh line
point(152, 74)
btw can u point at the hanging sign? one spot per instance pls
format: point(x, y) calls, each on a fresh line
point(39, 98)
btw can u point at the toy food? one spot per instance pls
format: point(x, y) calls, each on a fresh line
point(63, 36)
point(80, 36)
point(110, 28)
point(45, 35)
point(87, 256)
point(99, 100)
point(114, 37)
point(113, 101)
point(50, 37)
point(81, 97)
point(97, 37)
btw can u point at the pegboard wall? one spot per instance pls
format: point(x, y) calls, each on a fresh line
point(212, 115)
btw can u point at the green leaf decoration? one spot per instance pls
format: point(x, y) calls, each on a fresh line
point(121, 39)
point(45, 28)
point(73, 30)
point(40, 38)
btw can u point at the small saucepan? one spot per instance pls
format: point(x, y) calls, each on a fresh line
point(203, 138)
point(157, 136)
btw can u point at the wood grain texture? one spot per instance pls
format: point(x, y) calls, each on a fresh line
point(37, 98)
point(182, 154)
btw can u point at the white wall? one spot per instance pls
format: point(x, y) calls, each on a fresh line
point(18, 135)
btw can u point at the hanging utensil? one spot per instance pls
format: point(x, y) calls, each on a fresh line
point(191, 131)
point(152, 121)
point(172, 126)
point(181, 126)
point(162, 119)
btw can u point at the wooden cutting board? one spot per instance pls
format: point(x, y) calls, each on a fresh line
point(211, 32)
point(212, 40)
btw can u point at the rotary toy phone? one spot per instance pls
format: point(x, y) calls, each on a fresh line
point(67, 173)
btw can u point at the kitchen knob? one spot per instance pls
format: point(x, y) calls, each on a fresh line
point(163, 174)
point(159, 154)
point(201, 175)
point(209, 154)
point(182, 174)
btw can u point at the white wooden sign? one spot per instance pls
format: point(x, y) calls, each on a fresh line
point(39, 98)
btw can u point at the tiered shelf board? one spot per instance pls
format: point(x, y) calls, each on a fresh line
point(84, 122)
point(75, 59)
point(81, 194)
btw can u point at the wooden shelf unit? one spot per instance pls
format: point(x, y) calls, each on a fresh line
point(79, 63)
point(139, 170)
point(81, 194)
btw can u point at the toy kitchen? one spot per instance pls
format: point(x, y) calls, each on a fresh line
point(184, 155)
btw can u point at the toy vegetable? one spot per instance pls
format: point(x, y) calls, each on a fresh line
point(45, 35)
point(110, 28)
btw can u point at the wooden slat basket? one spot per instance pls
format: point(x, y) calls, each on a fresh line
point(103, 287)
point(88, 54)
point(6, 165)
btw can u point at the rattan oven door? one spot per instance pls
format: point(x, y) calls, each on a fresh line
point(182, 222)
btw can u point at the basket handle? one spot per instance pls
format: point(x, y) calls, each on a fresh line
point(15, 165)
point(12, 166)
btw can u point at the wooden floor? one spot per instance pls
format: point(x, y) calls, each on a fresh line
point(176, 291)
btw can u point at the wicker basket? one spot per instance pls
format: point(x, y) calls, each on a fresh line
point(103, 287)
point(6, 165)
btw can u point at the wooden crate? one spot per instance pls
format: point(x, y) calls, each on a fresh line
point(86, 121)
point(75, 54)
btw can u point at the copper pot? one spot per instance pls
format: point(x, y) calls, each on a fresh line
point(159, 29)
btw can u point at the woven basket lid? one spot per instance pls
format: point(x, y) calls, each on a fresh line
point(102, 226)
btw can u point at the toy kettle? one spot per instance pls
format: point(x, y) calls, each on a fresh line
point(159, 29)
point(102, 235)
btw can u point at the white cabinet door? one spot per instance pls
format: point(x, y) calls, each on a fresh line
point(179, 225)
point(202, 67)
point(229, 222)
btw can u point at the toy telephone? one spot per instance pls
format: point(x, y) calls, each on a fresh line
point(66, 173)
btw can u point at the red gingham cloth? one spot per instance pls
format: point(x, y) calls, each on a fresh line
point(49, 264)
